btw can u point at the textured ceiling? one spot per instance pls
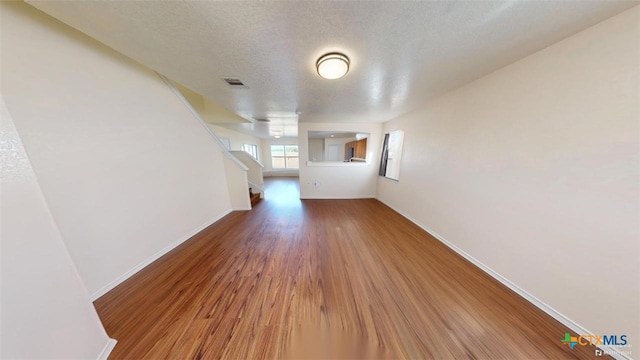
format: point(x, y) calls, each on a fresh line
point(402, 53)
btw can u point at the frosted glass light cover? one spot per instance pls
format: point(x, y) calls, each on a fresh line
point(333, 66)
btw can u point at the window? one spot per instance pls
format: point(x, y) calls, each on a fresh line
point(284, 156)
point(391, 153)
point(251, 149)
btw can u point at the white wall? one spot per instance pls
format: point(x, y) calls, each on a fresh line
point(254, 172)
point(237, 185)
point(46, 312)
point(236, 139)
point(266, 157)
point(127, 171)
point(341, 142)
point(316, 149)
point(533, 171)
point(339, 180)
point(208, 110)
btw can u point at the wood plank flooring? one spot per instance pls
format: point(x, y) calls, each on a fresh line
point(322, 279)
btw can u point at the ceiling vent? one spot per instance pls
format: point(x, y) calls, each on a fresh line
point(262, 119)
point(235, 82)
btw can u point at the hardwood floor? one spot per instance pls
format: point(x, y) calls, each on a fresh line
point(322, 279)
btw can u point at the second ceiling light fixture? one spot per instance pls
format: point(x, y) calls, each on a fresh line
point(332, 65)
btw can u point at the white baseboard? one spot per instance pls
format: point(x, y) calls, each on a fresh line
point(104, 355)
point(153, 258)
point(564, 320)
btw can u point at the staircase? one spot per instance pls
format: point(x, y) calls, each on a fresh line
point(255, 198)
point(255, 178)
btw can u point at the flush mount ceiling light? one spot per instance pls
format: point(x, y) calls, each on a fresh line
point(333, 66)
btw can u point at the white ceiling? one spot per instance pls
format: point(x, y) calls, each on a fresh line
point(334, 134)
point(402, 53)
